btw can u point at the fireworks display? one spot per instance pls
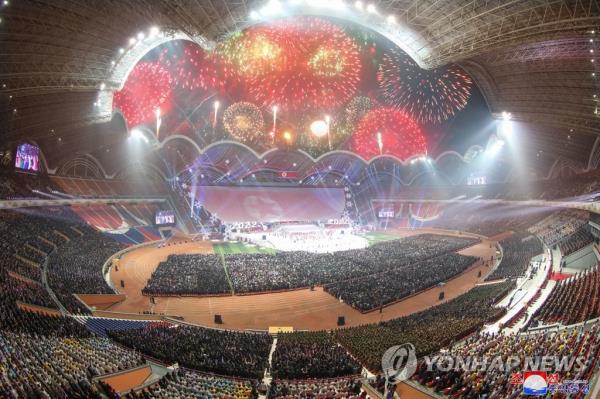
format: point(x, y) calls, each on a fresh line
point(400, 135)
point(147, 88)
point(244, 121)
point(320, 70)
point(192, 68)
point(307, 140)
point(428, 96)
point(356, 109)
point(253, 53)
point(308, 67)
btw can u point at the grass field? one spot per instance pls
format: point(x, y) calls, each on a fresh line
point(228, 248)
point(374, 238)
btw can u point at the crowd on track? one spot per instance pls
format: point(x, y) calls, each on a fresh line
point(398, 267)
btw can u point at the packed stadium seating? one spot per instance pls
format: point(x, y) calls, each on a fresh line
point(27, 292)
point(311, 355)
point(517, 251)
point(428, 330)
point(100, 325)
point(250, 273)
point(190, 384)
point(222, 352)
point(575, 242)
point(189, 274)
point(496, 383)
point(346, 388)
point(89, 251)
point(573, 300)
point(375, 290)
point(59, 366)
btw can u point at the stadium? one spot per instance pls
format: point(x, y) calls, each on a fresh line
point(299, 199)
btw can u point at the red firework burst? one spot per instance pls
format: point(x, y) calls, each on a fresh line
point(319, 67)
point(193, 68)
point(429, 96)
point(147, 88)
point(400, 135)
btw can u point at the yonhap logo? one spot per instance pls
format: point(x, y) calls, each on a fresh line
point(399, 363)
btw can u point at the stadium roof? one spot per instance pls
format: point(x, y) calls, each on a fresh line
point(532, 58)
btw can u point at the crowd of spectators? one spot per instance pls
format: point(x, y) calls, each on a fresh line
point(428, 330)
point(48, 356)
point(560, 225)
point(190, 384)
point(574, 300)
point(21, 268)
point(517, 251)
point(575, 242)
point(217, 351)
point(189, 274)
point(375, 290)
point(495, 382)
point(76, 268)
point(343, 388)
point(203, 274)
point(302, 355)
point(25, 291)
point(44, 366)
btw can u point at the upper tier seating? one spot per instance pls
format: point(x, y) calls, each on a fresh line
point(517, 251)
point(573, 300)
point(559, 225)
point(578, 240)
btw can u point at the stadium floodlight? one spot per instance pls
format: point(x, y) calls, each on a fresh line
point(371, 9)
point(358, 5)
point(132, 41)
point(391, 19)
point(506, 115)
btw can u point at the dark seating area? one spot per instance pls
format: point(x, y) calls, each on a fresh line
point(573, 300)
point(221, 352)
point(305, 355)
point(428, 330)
point(517, 251)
